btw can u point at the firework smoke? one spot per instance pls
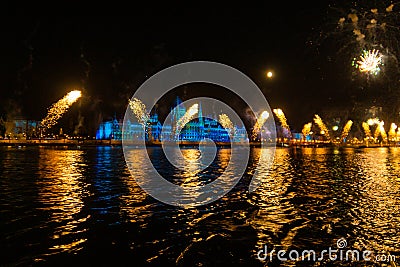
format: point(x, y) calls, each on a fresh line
point(281, 117)
point(367, 26)
point(322, 126)
point(259, 123)
point(139, 109)
point(58, 109)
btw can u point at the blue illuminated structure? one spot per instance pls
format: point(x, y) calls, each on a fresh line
point(194, 131)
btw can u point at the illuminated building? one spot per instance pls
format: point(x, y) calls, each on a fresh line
point(21, 128)
point(194, 131)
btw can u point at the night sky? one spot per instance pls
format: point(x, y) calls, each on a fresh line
point(110, 50)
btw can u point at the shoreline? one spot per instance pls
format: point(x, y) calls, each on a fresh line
point(92, 143)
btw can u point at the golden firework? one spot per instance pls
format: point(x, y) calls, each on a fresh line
point(193, 110)
point(224, 120)
point(346, 129)
point(259, 123)
point(58, 109)
point(282, 118)
point(306, 129)
point(322, 126)
point(139, 109)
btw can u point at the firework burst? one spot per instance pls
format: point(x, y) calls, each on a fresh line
point(139, 109)
point(58, 109)
point(367, 26)
point(370, 62)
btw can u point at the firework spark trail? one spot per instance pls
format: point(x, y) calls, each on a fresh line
point(281, 116)
point(322, 126)
point(259, 123)
point(58, 109)
point(193, 110)
point(346, 129)
point(392, 132)
point(227, 124)
point(367, 130)
point(306, 129)
point(370, 62)
point(139, 109)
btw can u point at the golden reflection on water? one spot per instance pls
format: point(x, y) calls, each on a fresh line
point(192, 167)
point(375, 198)
point(133, 203)
point(191, 176)
point(323, 190)
point(273, 200)
point(61, 190)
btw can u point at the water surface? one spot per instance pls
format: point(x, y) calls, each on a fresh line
point(74, 206)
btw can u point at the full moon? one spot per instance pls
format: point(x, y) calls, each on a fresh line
point(269, 74)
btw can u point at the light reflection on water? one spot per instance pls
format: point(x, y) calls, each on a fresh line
point(61, 188)
point(70, 206)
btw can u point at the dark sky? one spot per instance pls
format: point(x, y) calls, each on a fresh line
point(110, 50)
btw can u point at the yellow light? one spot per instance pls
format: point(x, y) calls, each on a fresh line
point(322, 126)
point(335, 128)
point(346, 129)
point(265, 115)
point(74, 95)
point(259, 123)
point(269, 74)
point(370, 62)
point(193, 110)
point(58, 109)
point(139, 109)
point(281, 116)
point(227, 123)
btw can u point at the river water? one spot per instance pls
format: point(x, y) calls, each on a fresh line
point(63, 206)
